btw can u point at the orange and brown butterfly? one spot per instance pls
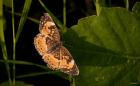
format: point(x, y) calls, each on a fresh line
point(49, 46)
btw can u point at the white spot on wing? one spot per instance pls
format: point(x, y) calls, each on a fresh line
point(52, 23)
point(72, 62)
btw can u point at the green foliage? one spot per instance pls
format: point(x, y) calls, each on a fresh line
point(2, 42)
point(106, 48)
point(25, 11)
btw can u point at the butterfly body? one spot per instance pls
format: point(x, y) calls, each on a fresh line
point(49, 46)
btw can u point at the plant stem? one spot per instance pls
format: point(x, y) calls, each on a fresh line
point(14, 43)
point(97, 5)
point(64, 12)
point(64, 16)
point(26, 8)
point(126, 4)
point(3, 44)
point(71, 80)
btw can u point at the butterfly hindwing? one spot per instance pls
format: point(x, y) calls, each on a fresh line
point(67, 63)
point(62, 60)
point(40, 44)
point(52, 59)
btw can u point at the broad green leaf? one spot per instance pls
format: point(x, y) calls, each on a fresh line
point(18, 83)
point(106, 48)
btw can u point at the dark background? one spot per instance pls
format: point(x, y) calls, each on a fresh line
point(25, 50)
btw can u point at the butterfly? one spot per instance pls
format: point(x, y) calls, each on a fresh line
point(47, 43)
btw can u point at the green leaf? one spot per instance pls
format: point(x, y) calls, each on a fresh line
point(2, 42)
point(106, 48)
point(18, 83)
point(23, 18)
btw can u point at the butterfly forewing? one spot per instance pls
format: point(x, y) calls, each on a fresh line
point(48, 27)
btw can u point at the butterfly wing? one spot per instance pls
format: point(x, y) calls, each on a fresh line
point(52, 59)
point(48, 27)
point(40, 44)
point(48, 44)
point(61, 60)
point(67, 63)
point(43, 44)
point(48, 36)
